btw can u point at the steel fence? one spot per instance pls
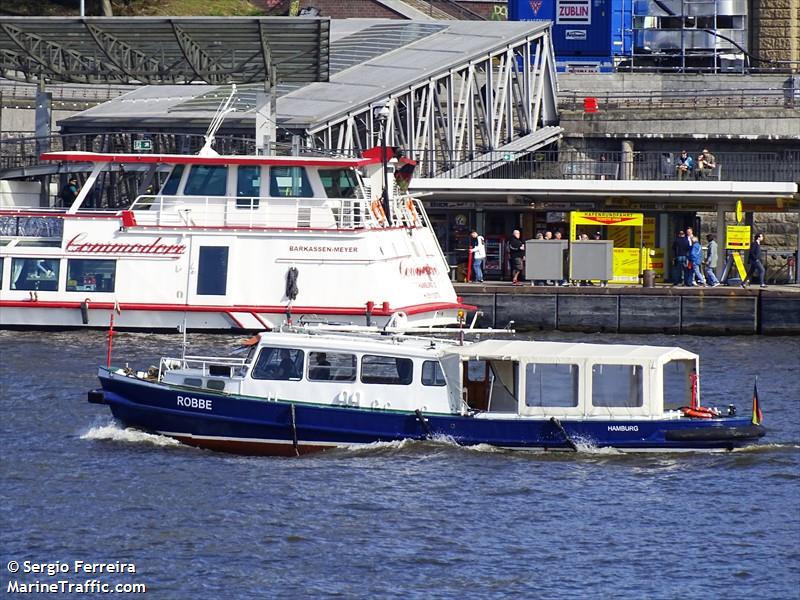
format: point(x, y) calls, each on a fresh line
point(787, 97)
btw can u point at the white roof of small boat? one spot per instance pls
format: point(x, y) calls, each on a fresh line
point(530, 351)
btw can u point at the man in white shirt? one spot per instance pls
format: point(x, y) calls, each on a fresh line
point(478, 251)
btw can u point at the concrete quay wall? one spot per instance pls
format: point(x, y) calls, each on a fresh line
point(707, 311)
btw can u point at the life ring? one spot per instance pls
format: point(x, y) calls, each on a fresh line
point(413, 211)
point(377, 211)
point(699, 412)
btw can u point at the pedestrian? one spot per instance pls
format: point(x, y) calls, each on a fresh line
point(69, 192)
point(598, 235)
point(693, 266)
point(706, 165)
point(478, 251)
point(516, 252)
point(684, 166)
point(548, 235)
point(680, 253)
point(712, 256)
point(755, 264)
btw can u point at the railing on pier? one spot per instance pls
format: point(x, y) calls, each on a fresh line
point(649, 100)
point(598, 165)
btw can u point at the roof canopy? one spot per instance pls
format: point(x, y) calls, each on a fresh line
point(164, 50)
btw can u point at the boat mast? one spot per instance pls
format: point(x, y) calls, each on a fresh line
point(223, 110)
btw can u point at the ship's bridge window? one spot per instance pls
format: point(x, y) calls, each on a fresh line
point(36, 274)
point(386, 370)
point(331, 366)
point(212, 271)
point(432, 373)
point(173, 181)
point(207, 180)
point(289, 182)
point(339, 183)
point(678, 383)
point(549, 385)
point(617, 386)
point(279, 364)
point(90, 275)
point(248, 186)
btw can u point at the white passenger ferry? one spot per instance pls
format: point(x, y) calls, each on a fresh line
point(303, 391)
point(227, 242)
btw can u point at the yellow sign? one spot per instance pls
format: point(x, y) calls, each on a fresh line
point(737, 237)
point(626, 265)
point(737, 259)
point(738, 211)
point(606, 218)
point(649, 232)
point(653, 258)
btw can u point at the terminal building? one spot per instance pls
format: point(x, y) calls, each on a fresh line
point(476, 104)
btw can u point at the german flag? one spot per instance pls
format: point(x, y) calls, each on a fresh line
point(758, 417)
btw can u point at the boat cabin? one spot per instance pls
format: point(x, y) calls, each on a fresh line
point(488, 379)
point(570, 380)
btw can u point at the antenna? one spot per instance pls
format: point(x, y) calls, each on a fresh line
point(224, 109)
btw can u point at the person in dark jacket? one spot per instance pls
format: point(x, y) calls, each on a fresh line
point(680, 252)
point(755, 264)
point(516, 252)
point(69, 192)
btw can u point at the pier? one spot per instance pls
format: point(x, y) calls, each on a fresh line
point(724, 310)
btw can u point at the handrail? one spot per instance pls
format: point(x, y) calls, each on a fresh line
point(664, 99)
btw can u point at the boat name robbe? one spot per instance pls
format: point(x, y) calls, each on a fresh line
point(623, 428)
point(190, 402)
point(77, 244)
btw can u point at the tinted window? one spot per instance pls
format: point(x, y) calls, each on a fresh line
point(338, 183)
point(88, 275)
point(40, 274)
point(212, 272)
point(289, 182)
point(248, 187)
point(551, 385)
point(171, 186)
point(678, 384)
point(2, 262)
point(432, 373)
point(476, 370)
point(207, 180)
point(387, 370)
point(617, 386)
point(279, 363)
point(331, 366)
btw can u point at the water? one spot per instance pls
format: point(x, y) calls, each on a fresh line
point(410, 519)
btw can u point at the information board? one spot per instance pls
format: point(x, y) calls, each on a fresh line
point(737, 237)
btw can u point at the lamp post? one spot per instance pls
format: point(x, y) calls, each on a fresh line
point(381, 114)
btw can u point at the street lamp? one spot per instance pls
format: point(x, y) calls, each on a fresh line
point(381, 113)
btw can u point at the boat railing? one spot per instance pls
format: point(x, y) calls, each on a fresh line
point(209, 366)
point(249, 212)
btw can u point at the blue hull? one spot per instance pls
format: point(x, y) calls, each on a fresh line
point(252, 426)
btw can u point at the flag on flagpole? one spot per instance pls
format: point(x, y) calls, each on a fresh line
point(758, 416)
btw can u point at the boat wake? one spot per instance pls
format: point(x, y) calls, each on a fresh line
point(113, 432)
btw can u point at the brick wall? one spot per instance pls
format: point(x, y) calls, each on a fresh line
point(776, 31)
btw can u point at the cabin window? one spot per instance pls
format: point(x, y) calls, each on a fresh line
point(548, 385)
point(212, 271)
point(36, 274)
point(216, 384)
point(207, 180)
point(432, 373)
point(678, 383)
point(331, 366)
point(617, 386)
point(193, 381)
point(289, 182)
point(339, 183)
point(476, 370)
point(387, 370)
point(88, 275)
point(279, 364)
point(248, 186)
point(173, 181)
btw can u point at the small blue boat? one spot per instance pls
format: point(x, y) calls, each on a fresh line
point(305, 391)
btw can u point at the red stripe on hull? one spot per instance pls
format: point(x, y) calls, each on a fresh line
point(328, 310)
point(249, 448)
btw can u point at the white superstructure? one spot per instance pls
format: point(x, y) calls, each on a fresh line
point(226, 242)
